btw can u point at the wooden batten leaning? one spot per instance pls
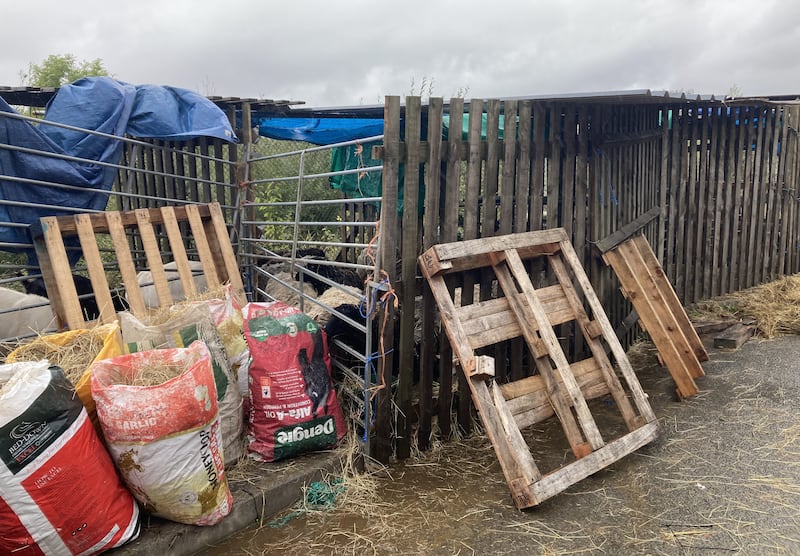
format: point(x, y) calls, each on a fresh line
point(559, 387)
point(660, 312)
point(208, 236)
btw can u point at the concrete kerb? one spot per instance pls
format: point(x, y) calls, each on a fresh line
point(253, 504)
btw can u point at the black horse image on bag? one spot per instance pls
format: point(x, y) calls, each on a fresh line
point(315, 374)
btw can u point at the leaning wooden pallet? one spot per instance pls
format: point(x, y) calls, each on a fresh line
point(559, 387)
point(644, 283)
point(207, 233)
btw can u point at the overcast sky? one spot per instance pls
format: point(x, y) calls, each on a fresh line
point(331, 53)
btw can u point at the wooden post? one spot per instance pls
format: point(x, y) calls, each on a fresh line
point(389, 233)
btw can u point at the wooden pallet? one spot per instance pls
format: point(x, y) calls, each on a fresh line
point(559, 387)
point(209, 236)
point(644, 283)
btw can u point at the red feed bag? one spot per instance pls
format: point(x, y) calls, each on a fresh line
point(293, 404)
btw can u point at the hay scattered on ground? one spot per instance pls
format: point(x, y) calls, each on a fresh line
point(775, 306)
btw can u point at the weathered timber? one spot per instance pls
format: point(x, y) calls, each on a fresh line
point(733, 337)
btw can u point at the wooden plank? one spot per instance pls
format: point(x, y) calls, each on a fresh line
point(746, 249)
point(127, 269)
point(516, 462)
point(674, 183)
point(581, 156)
point(470, 231)
point(492, 321)
point(179, 252)
point(649, 304)
point(522, 185)
point(628, 230)
point(449, 233)
point(708, 327)
point(46, 267)
point(700, 267)
point(534, 406)
point(382, 450)
point(727, 217)
point(556, 482)
point(648, 258)
point(459, 341)
point(97, 273)
point(789, 157)
point(153, 254)
point(756, 250)
point(691, 222)
point(525, 309)
point(779, 167)
point(769, 270)
point(509, 167)
point(527, 467)
point(568, 172)
point(584, 371)
point(793, 145)
point(129, 218)
point(430, 236)
point(232, 273)
point(474, 253)
point(538, 190)
point(67, 296)
point(733, 337)
point(203, 248)
point(720, 147)
point(408, 293)
point(554, 192)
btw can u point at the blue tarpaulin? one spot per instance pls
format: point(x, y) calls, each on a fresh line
point(319, 131)
point(97, 104)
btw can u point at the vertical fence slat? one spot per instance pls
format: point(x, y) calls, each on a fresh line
point(408, 291)
point(759, 197)
point(787, 186)
point(703, 201)
point(389, 235)
point(507, 210)
point(750, 200)
point(451, 202)
point(770, 270)
point(472, 212)
point(730, 158)
point(717, 238)
point(691, 221)
point(431, 217)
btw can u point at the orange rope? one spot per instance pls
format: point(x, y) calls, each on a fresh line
point(384, 300)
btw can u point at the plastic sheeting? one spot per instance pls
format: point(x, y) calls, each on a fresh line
point(319, 131)
point(98, 104)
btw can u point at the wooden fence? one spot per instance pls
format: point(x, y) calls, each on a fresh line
point(723, 175)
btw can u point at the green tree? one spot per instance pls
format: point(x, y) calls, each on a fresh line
point(59, 69)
